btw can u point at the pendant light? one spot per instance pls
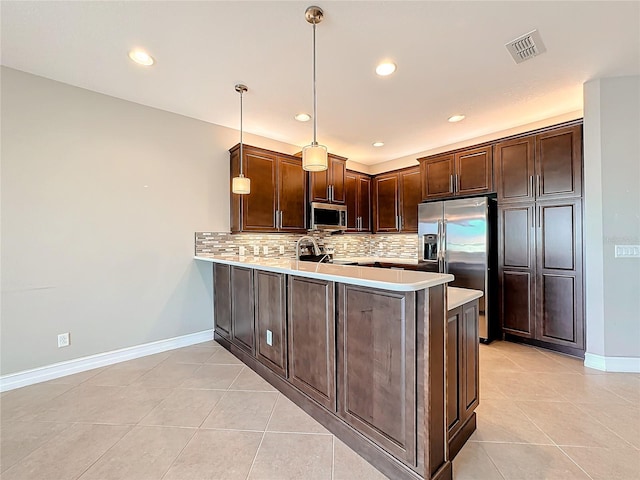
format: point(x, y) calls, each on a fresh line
point(241, 184)
point(314, 156)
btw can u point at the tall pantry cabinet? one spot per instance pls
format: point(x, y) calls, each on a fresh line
point(539, 189)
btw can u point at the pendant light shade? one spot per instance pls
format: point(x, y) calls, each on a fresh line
point(314, 156)
point(241, 185)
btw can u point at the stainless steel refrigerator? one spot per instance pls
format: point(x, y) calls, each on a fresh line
point(457, 237)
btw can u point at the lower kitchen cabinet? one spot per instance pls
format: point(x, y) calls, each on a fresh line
point(462, 368)
point(270, 315)
point(311, 339)
point(540, 272)
point(377, 366)
point(233, 305)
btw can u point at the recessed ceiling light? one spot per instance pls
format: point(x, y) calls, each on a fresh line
point(303, 117)
point(378, 144)
point(456, 118)
point(385, 68)
point(141, 57)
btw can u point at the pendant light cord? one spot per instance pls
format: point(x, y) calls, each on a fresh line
point(241, 92)
point(315, 101)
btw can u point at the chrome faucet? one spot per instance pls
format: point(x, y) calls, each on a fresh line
point(316, 249)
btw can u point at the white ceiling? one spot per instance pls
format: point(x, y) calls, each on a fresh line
point(450, 55)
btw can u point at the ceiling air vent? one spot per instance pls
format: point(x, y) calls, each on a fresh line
point(526, 47)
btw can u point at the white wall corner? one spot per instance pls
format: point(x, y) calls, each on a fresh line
point(612, 364)
point(62, 369)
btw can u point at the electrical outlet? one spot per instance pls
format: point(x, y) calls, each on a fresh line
point(344, 245)
point(63, 340)
point(269, 338)
point(281, 249)
point(265, 250)
point(241, 251)
point(256, 251)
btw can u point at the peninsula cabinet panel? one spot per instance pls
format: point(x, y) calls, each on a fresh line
point(470, 354)
point(437, 176)
point(454, 360)
point(311, 335)
point(222, 299)
point(270, 313)
point(474, 171)
point(377, 366)
point(385, 203)
point(242, 311)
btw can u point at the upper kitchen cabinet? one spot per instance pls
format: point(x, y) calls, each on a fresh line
point(358, 199)
point(467, 172)
point(277, 202)
point(540, 167)
point(396, 196)
point(328, 186)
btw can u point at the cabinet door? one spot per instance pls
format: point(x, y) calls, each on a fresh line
point(470, 352)
point(311, 335)
point(364, 202)
point(437, 177)
point(270, 306)
point(377, 366)
point(410, 197)
point(242, 319)
point(454, 361)
point(474, 171)
point(337, 178)
point(351, 196)
point(292, 195)
point(222, 299)
point(385, 203)
point(516, 268)
point(559, 163)
point(514, 168)
point(259, 207)
point(319, 186)
point(559, 274)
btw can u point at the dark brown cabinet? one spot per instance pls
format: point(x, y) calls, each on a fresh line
point(540, 167)
point(540, 271)
point(277, 202)
point(358, 201)
point(467, 172)
point(396, 196)
point(328, 186)
point(311, 339)
point(234, 305)
point(462, 365)
point(377, 366)
point(270, 319)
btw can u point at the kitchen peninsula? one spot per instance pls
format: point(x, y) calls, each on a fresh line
point(366, 351)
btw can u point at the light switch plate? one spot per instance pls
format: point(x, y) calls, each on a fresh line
point(256, 251)
point(265, 250)
point(281, 249)
point(269, 338)
point(241, 251)
point(627, 251)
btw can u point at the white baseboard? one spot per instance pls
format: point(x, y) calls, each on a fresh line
point(612, 364)
point(57, 370)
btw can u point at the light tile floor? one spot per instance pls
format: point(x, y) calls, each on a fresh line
point(197, 413)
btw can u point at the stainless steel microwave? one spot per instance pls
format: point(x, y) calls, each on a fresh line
point(327, 216)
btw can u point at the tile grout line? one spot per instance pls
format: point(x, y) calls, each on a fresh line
point(273, 409)
point(179, 453)
point(576, 405)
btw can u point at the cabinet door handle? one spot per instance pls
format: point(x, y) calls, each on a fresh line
point(332, 193)
point(281, 216)
point(533, 193)
point(457, 185)
point(328, 193)
point(401, 222)
point(540, 210)
point(451, 183)
point(537, 185)
point(275, 218)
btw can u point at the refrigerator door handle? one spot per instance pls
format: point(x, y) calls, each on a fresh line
point(444, 246)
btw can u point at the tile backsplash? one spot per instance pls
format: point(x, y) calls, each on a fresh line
point(344, 245)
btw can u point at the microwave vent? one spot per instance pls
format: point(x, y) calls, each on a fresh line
point(526, 47)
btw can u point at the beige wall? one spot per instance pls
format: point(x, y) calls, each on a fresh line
point(612, 215)
point(100, 199)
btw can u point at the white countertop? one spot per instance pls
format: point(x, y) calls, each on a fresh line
point(385, 278)
point(400, 260)
point(459, 296)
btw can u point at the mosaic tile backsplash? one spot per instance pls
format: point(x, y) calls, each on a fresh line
point(268, 244)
